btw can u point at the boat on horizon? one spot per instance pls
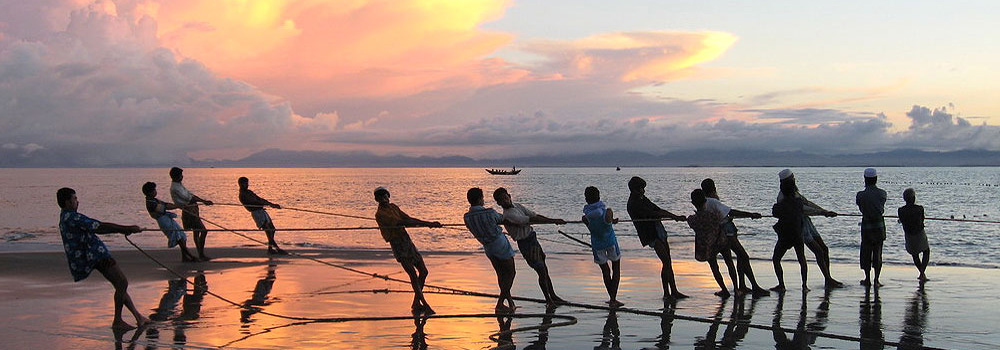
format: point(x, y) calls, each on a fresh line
point(512, 171)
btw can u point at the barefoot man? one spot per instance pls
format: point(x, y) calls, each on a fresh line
point(86, 252)
point(392, 223)
point(646, 217)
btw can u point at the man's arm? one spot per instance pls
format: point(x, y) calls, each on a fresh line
point(107, 227)
point(609, 216)
point(539, 219)
point(743, 214)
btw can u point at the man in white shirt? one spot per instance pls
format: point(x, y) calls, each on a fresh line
point(517, 220)
point(190, 216)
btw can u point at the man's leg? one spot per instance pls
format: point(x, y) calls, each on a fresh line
point(778, 272)
point(714, 264)
point(803, 265)
point(877, 261)
point(662, 250)
point(728, 258)
point(866, 261)
point(117, 278)
point(422, 279)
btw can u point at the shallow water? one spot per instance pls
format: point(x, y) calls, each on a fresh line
point(26, 199)
point(66, 315)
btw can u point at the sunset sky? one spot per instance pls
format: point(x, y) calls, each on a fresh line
point(138, 82)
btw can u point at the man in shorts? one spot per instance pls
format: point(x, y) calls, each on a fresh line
point(810, 236)
point(646, 217)
point(790, 214)
point(484, 223)
point(517, 220)
point(255, 205)
point(190, 216)
point(871, 202)
point(603, 243)
point(392, 223)
point(86, 252)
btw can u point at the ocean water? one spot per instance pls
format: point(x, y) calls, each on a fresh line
point(29, 214)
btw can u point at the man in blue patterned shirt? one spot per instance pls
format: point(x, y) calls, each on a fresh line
point(86, 252)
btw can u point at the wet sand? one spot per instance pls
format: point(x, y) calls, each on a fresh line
point(44, 308)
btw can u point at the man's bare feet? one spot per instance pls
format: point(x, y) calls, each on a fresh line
point(866, 282)
point(557, 300)
point(723, 293)
point(832, 283)
point(503, 309)
point(142, 321)
point(678, 295)
point(744, 289)
point(805, 288)
point(428, 311)
point(759, 292)
point(615, 303)
point(778, 288)
point(204, 258)
point(923, 278)
point(121, 326)
point(878, 284)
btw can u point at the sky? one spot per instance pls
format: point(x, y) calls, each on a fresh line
point(134, 82)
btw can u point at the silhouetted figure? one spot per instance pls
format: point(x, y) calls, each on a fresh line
point(870, 321)
point(646, 217)
point(192, 302)
point(256, 206)
point(517, 220)
point(789, 213)
point(484, 224)
point(666, 324)
point(611, 335)
point(800, 339)
point(708, 342)
point(85, 252)
point(392, 223)
point(743, 267)
point(915, 320)
point(709, 241)
point(911, 216)
point(418, 339)
point(871, 202)
point(260, 294)
point(810, 236)
point(190, 216)
point(157, 209)
point(603, 243)
point(543, 333)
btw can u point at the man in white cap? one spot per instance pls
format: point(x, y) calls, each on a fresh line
point(392, 223)
point(810, 236)
point(871, 202)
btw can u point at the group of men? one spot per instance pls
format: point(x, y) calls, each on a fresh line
point(714, 231)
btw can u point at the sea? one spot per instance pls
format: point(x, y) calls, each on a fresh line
point(332, 198)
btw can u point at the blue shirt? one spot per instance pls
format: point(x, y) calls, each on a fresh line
point(484, 223)
point(83, 248)
point(602, 233)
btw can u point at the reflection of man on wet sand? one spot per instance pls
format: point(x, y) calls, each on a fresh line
point(260, 295)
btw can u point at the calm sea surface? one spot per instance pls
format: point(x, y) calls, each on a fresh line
point(27, 204)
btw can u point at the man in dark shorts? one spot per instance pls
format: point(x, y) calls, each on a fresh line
point(517, 220)
point(646, 217)
point(789, 212)
point(871, 203)
point(392, 223)
point(256, 206)
point(190, 215)
point(86, 252)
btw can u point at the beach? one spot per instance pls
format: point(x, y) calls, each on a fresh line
point(46, 309)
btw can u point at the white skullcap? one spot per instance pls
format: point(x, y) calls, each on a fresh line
point(784, 174)
point(870, 172)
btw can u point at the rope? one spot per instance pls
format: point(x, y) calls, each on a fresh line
point(574, 304)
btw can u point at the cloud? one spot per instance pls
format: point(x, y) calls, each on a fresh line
point(940, 129)
point(102, 92)
point(649, 56)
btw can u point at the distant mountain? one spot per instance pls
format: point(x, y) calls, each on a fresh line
point(703, 158)
point(694, 158)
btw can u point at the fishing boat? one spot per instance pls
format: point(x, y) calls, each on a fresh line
point(512, 171)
